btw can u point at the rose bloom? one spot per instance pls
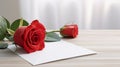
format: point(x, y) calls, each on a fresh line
point(69, 31)
point(30, 38)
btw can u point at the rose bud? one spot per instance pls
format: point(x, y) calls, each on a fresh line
point(30, 38)
point(69, 31)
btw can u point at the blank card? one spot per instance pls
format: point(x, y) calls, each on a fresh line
point(53, 51)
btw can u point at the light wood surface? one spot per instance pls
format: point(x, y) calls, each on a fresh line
point(105, 42)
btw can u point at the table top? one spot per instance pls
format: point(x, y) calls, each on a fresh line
point(105, 42)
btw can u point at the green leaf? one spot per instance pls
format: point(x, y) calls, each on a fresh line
point(3, 27)
point(17, 23)
point(3, 45)
point(52, 37)
point(8, 23)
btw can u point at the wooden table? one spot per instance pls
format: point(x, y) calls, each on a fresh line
point(105, 42)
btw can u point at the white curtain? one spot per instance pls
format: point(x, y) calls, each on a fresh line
point(88, 14)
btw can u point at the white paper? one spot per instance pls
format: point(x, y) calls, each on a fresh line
point(53, 51)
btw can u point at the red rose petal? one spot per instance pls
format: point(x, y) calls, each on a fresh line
point(31, 38)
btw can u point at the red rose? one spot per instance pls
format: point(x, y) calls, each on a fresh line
point(69, 31)
point(31, 37)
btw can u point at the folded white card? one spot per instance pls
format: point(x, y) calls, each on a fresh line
point(53, 51)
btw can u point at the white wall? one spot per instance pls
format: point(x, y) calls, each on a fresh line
point(88, 14)
point(10, 9)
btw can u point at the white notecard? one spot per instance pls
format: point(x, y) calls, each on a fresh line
point(53, 51)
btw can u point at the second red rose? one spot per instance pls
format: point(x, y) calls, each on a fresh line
point(69, 31)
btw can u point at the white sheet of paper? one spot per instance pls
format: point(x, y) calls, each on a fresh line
point(53, 51)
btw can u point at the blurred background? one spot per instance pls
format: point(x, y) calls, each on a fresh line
point(88, 14)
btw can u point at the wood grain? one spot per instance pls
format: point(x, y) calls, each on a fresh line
point(105, 42)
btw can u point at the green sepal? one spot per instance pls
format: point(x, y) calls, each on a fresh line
point(11, 32)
